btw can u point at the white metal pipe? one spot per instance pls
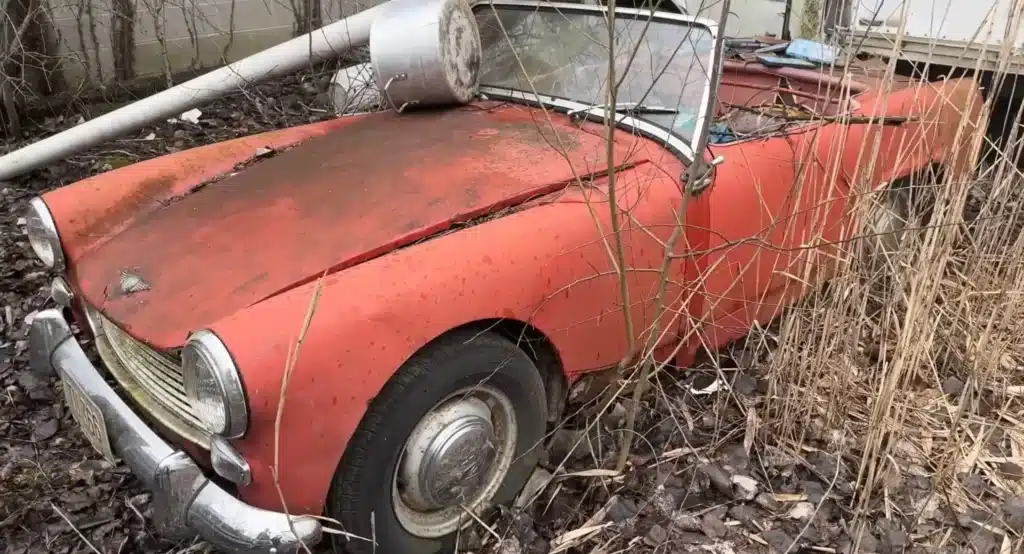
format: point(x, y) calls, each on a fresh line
point(322, 44)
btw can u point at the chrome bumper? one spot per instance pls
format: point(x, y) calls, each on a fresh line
point(185, 501)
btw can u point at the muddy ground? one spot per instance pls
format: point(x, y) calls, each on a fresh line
point(698, 481)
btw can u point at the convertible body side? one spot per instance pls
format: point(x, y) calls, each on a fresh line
point(526, 239)
point(746, 240)
point(781, 207)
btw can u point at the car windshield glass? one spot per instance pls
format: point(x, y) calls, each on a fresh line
point(564, 53)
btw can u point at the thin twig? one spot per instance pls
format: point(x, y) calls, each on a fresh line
point(73, 528)
point(613, 203)
point(696, 175)
point(293, 356)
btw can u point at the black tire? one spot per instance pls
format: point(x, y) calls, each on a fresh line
point(902, 205)
point(891, 220)
point(362, 484)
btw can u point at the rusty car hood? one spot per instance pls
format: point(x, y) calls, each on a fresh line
point(334, 201)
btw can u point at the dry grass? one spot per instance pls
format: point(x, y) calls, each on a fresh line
point(864, 368)
point(908, 369)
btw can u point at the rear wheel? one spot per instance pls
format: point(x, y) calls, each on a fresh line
point(458, 427)
point(889, 220)
point(886, 226)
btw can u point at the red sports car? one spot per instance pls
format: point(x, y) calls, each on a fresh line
point(449, 271)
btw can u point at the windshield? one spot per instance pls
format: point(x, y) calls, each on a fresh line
point(565, 54)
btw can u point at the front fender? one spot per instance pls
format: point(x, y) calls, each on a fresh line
point(546, 265)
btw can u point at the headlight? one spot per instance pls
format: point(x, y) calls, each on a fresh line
point(213, 385)
point(43, 236)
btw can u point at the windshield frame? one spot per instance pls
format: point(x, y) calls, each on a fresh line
point(678, 145)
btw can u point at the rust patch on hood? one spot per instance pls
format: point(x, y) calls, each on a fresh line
point(376, 184)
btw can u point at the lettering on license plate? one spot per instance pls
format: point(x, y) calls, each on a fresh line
point(88, 416)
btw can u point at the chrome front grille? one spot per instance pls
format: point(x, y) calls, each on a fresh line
point(152, 378)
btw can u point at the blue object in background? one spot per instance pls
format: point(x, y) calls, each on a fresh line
point(772, 48)
point(783, 61)
point(719, 133)
point(811, 51)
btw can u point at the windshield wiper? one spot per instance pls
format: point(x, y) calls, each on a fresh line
point(627, 108)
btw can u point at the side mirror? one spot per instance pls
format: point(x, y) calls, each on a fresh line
point(700, 175)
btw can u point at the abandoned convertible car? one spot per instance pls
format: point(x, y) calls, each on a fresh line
point(461, 260)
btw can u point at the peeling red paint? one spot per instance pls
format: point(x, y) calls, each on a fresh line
point(376, 184)
point(95, 209)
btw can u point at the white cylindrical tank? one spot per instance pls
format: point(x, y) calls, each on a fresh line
point(426, 53)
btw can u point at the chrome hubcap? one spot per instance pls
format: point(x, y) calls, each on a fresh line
point(448, 456)
point(457, 456)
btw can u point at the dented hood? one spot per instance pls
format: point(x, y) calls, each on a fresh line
point(331, 202)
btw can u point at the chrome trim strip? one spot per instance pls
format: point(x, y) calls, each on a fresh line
point(572, 6)
point(669, 140)
point(152, 379)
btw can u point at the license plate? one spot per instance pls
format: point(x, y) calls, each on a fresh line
point(88, 416)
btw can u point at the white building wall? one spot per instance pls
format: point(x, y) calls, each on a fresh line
point(751, 17)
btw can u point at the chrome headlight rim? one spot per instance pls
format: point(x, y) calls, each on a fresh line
point(40, 220)
point(205, 351)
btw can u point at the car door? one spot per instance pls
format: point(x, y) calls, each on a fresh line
point(775, 218)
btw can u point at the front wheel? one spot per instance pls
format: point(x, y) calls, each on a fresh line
point(458, 428)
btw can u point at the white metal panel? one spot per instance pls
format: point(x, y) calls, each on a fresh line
point(981, 22)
